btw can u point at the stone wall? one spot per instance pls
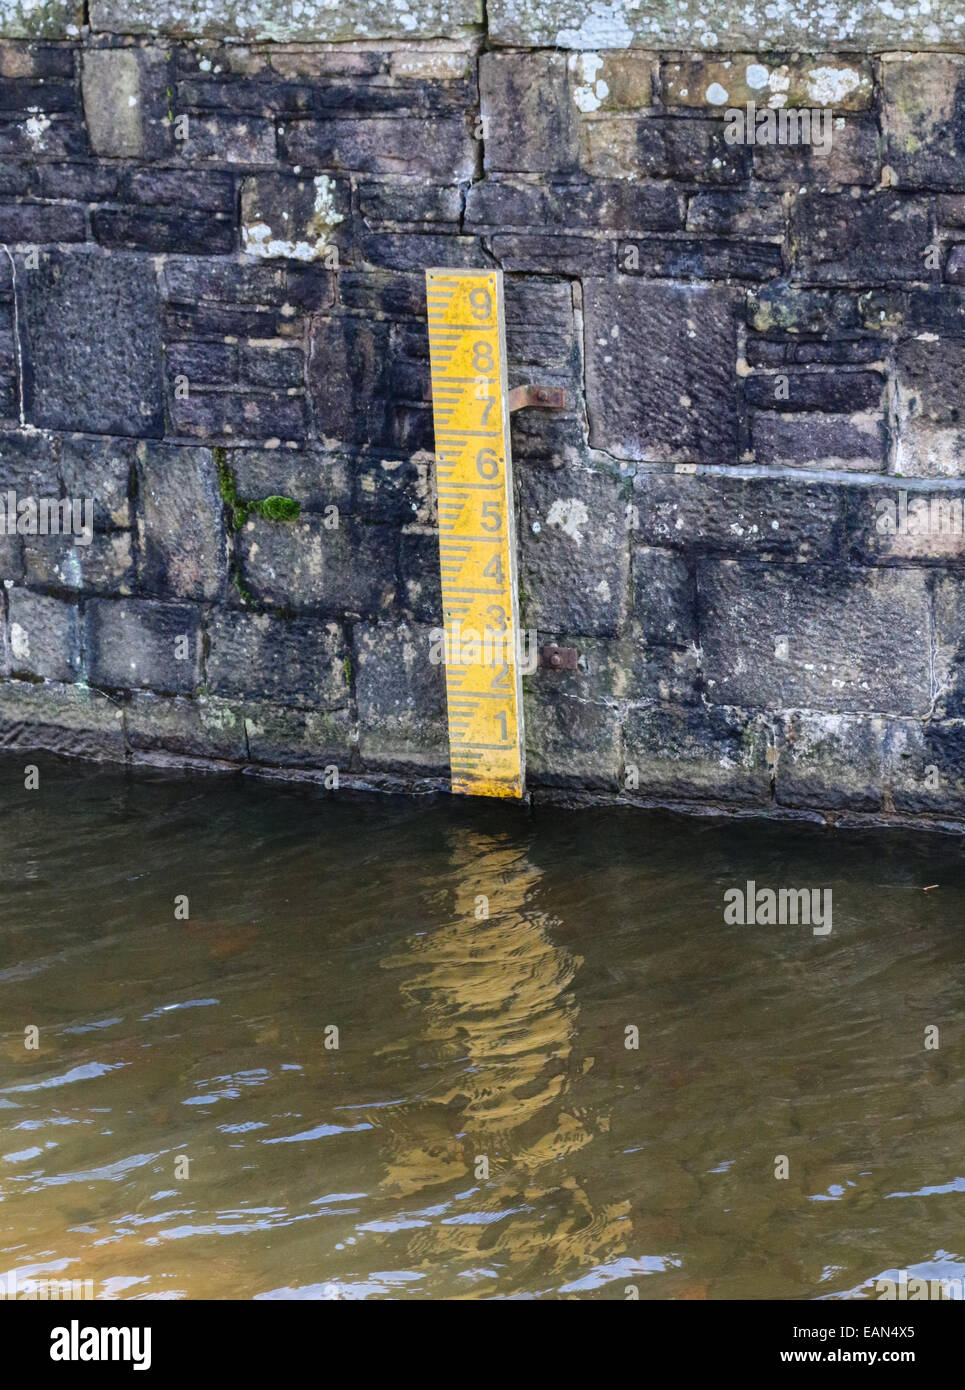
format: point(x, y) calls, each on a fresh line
point(214, 225)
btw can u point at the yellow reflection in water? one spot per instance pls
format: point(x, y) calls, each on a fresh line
point(493, 998)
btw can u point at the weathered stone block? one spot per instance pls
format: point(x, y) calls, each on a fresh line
point(696, 753)
point(439, 148)
point(661, 147)
point(776, 637)
point(133, 644)
point(101, 469)
point(704, 258)
point(318, 480)
point(925, 767)
point(792, 310)
point(287, 218)
point(274, 364)
point(940, 310)
point(67, 719)
point(180, 188)
point(306, 564)
point(242, 414)
point(201, 728)
point(409, 200)
point(124, 101)
point(574, 551)
point(902, 520)
point(180, 523)
point(814, 390)
point(35, 223)
point(684, 24)
point(612, 81)
point(850, 443)
point(43, 636)
point(91, 344)
point(597, 205)
point(397, 490)
point(552, 255)
point(736, 212)
point(664, 596)
point(313, 22)
point(106, 566)
point(299, 737)
point(349, 380)
point(873, 240)
point(408, 251)
point(571, 742)
point(829, 761)
point(28, 464)
point(661, 370)
point(930, 406)
point(741, 514)
point(923, 118)
point(419, 573)
point(530, 120)
point(401, 698)
point(852, 158)
point(298, 663)
point(713, 83)
point(184, 232)
point(55, 19)
point(229, 140)
point(949, 656)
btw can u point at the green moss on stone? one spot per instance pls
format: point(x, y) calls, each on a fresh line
point(272, 508)
point(276, 508)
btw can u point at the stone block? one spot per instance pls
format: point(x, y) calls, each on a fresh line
point(299, 663)
point(661, 370)
point(850, 443)
point(101, 469)
point(43, 636)
point(712, 83)
point(571, 742)
point(923, 119)
point(530, 120)
point(306, 738)
point(200, 728)
point(401, 698)
point(125, 102)
point(91, 344)
point(741, 514)
point(180, 523)
point(136, 644)
point(818, 638)
point(829, 761)
point(925, 767)
point(573, 552)
point(697, 754)
point(307, 565)
point(288, 218)
point(67, 719)
point(873, 240)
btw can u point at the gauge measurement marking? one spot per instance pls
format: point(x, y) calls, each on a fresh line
point(477, 531)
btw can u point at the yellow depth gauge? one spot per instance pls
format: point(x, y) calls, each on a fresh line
point(477, 531)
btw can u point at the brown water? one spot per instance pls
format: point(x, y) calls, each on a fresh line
point(360, 1171)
